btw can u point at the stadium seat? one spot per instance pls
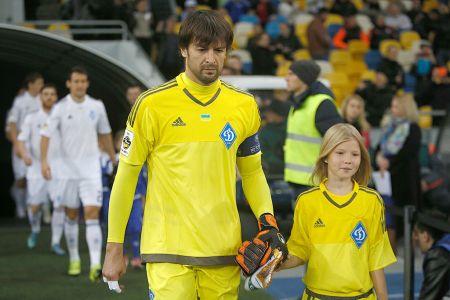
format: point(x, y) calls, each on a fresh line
point(385, 44)
point(364, 22)
point(334, 19)
point(28, 25)
point(355, 69)
point(406, 59)
point(283, 68)
point(303, 18)
point(325, 67)
point(359, 4)
point(301, 54)
point(300, 32)
point(279, 58)
point(429, 5)
point(340, 85)
point(340, 59)
point(357, 49)
point(425, 118)
point(333, 29)
point(272, 29)
point(368, 75)
point(407, 38)
point(372, 59)
point(249, 19)
point(242, 30)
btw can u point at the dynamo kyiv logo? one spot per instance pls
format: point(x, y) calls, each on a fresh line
point(359, 234)
point(228, 135)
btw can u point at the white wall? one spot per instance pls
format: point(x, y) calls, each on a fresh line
point(12, 11)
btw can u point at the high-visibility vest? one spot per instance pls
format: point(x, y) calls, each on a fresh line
point(303, 141)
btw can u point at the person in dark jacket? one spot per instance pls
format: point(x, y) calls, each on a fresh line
point(436, 263)
point(380, 32)
point(398, 153)
point(390, 66)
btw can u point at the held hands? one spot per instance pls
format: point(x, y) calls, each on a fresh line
point(256, 253)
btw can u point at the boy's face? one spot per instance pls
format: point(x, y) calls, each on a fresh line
point(204, 64)
point(421, 239)
point(48, 97)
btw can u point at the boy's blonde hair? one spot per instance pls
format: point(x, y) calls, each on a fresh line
point(362, 118)
point(335, 136)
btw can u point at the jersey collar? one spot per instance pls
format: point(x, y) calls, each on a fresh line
point(336, 200)
point(199, 93)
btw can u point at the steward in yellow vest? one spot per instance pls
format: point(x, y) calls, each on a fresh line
point(313, 111)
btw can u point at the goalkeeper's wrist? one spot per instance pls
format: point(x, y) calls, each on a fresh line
point(267, 221)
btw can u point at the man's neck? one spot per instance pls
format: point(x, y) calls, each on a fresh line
point(78, 99)
point(300, 91)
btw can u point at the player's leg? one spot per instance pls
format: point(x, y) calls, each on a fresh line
point(35, 198)
point(171, 281)
point(71, 203)
point(218, 282)
point(18, 190)
point(91, 197)
point(133, 232)
point(58, 215)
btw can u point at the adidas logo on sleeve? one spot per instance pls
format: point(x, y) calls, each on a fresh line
point(319, 223)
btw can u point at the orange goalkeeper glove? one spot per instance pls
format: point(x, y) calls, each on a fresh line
point(269, 233)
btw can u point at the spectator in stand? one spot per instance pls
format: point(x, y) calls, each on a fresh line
point(353, 113)
point(319, 40)
point(392, 68)
point(436, 263)
point(371, 8)
point(398, 153)
point(234, 62)
point(345, 8)
point(254, 35)
point(396, 19)
point(272, 136)
point(162, 10)
point(288, 9)
point(168, 58)
point(263, 56)
point(442, 36)
point(350, 31)
point(264, 10)
point(287, 42)
point(439, 93)
point(425, 61)
point(377, 96)
point(142, 29)
point(380, 32)
point(237, 8)
point(416, 13)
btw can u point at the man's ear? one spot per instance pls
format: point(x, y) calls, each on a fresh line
point(184, 52)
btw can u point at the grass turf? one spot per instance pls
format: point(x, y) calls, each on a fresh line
point(38, 274)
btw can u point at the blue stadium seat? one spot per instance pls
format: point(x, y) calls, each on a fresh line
point(333, 29)
point(250, 19)
point(410, 83)
point(372, 59)
point(273, 29)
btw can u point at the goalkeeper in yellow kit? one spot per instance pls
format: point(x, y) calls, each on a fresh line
point(191, 132)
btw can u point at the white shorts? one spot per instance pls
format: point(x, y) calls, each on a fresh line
point(19, 168)
point(40, 190)
point(89, 191)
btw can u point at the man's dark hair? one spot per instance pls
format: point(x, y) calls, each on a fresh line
point(31, 77)
point(79, 70)
point(435, 233)
point(205, 27)
point(49, 85)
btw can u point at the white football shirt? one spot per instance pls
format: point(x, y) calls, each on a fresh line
point(22, 106)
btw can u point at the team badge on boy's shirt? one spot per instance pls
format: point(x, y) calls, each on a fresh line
point(359, 234)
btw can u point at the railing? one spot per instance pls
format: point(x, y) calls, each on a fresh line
point(110, 28)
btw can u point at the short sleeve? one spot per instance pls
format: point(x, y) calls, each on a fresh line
point(298, 243)
point(25, 130)
point(52, 123)
point(14, 112)
point(103, 126)
point(138, 140)
point(255, 119)
point(381, 253)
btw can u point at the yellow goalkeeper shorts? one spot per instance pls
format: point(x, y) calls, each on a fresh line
point(183, 282)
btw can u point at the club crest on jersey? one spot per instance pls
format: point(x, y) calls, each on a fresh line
point(151, 295)
point(126, 142)
point(359, 234)
point(228, 135)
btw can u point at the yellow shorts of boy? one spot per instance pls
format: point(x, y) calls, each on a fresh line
point(183, 282)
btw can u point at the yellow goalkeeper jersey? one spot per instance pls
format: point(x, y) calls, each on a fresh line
point(189, 136)
point(342, 238)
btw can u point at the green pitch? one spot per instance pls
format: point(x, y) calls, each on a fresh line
point(38, 274)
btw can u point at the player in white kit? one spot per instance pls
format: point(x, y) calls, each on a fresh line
point(38, 188)
point(83, 124)
point(25, 103)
